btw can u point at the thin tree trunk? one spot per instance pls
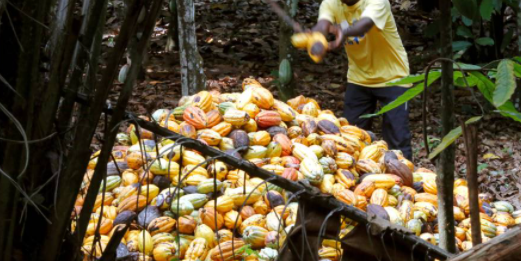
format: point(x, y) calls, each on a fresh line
point(173, 28)
point(519, 28)
point(92, 70)
point(445, 166)
point(2, 8)
point(62, 15)
point(193, 78)
point(517, 94)
point(59, 64)
point(470, 135)
point(286, 50)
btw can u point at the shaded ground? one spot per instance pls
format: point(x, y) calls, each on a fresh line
point(239, 40)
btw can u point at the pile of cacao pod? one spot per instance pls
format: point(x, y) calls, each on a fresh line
point(183, 206)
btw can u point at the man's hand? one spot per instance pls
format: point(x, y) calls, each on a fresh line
point(340, 37)
point(358, 29)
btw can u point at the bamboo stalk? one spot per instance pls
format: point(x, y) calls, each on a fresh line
point(117, 116)
point(77, 160)
point(90, 25)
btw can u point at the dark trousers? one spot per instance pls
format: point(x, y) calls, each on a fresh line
point(360, 100)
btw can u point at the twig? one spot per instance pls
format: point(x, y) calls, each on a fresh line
point(20, 128)
point(2, 79)
point(28, 16)
point(14, 30)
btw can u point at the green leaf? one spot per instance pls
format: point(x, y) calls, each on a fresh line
point(450, 138)
point(467, 8)
point(486, 8)
point(473, 120)
point(465, 66)
point(459, 80)
point(408, 80)
point(485, 41)
point(509, 110)
point(482, 166)
point(455, 14)
point(517, 70)
point(486, 87)
point(460, 45)
point(446, 141)
point(408, 95)
point(466, 21)
point(505, 82)
point(497, 4)
point(464, 32)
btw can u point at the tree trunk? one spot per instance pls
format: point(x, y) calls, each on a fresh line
point(470, 135)
point(286, 51)
point(193, 78)
point(173, 32)
point(517, 95)
point(62, 15)
point(445, 166)
point(92, 70)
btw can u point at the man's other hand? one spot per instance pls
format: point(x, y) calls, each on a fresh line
point(340, 37)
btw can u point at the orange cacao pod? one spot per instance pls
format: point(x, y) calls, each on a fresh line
point(195, 117)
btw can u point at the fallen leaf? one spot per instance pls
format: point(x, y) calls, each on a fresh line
point(491, 156)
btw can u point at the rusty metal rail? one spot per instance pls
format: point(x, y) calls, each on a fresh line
point(305, 191)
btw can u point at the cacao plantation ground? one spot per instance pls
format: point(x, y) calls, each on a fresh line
point(240, 39)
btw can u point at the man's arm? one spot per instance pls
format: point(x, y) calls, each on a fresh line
point(322, 26)
point(358, 29)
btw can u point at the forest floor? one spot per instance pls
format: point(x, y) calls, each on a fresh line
point(240, 40)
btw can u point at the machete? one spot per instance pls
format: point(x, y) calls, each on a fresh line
point(285, 17)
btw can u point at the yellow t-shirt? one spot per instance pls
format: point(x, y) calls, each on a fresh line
point(377, 57)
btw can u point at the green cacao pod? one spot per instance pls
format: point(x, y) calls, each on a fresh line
point(285, 73)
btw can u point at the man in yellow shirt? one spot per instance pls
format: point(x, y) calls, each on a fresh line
point(376, 57)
